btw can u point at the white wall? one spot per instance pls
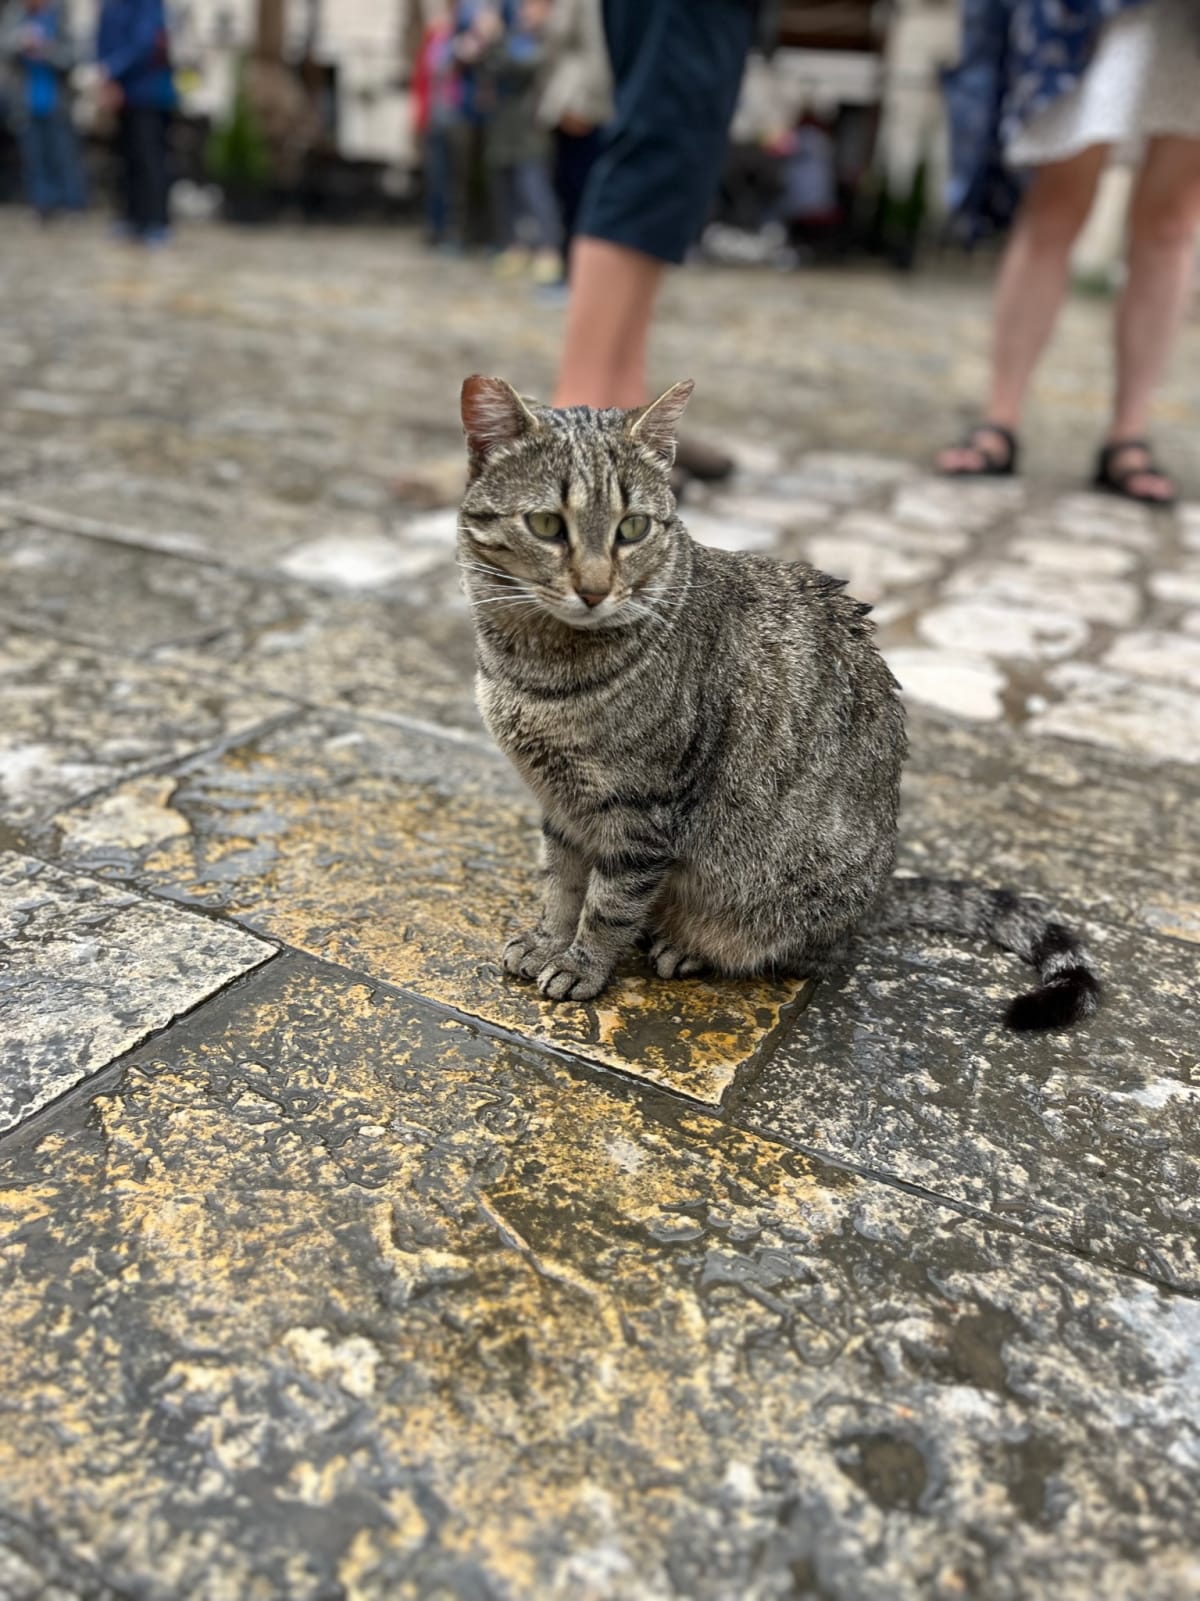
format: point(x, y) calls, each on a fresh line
point(922, 38)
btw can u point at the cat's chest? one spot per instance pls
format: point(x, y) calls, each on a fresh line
point(553, 744)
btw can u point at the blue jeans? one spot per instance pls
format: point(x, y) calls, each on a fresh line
point(50, 158)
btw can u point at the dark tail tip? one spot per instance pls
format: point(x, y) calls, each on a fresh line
point(1066, 999)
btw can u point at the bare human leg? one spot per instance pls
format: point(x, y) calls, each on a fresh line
point(1163, 218)
point(1029, 293)
point(613, 290)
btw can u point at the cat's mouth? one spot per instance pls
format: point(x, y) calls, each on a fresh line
point(576, 613)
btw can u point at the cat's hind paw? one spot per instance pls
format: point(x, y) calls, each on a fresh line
point(668, 961)
point(573, 975)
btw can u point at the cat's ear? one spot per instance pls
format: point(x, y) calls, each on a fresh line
point(657, 424)
point(493, 414)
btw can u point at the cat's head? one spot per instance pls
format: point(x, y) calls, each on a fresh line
point(573, 507)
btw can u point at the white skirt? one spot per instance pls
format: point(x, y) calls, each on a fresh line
point(1143, 80)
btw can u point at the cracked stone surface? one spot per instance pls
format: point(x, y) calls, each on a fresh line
point(577, 1344)
point(368, 1276)
point(87, 971)
point(75, 720)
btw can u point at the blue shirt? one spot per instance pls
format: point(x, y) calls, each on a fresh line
point(133, 48)
point(41, 77)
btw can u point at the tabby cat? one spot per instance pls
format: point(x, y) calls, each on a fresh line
point(714, 738)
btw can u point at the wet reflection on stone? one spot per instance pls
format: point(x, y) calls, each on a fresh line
point(409, 857)
point(576, 1343)
point(1090, 1138)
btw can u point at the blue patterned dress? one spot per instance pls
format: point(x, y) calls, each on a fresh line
point(1019, 56)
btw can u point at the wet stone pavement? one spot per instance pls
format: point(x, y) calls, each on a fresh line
point(335, 1266)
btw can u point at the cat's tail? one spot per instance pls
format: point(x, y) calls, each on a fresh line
point(1070, 985)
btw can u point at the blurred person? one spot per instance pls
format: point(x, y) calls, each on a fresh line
point(435, 102)
point(677, 68)
point(525, 222)
point(1062, 95)
point(477, 25)
point(134, 56)
point(35, 38)
point(576, 103)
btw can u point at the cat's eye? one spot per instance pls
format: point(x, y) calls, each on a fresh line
point(545, 524)
point(631, 529)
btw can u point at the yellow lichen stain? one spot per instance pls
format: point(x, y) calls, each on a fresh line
point(1178, 920)
point(408, 1523)
point(133, 817)
point(544, 1339)
point(351, 1363)
point(359, 1571)
point(316, 1486)
point(421, 887)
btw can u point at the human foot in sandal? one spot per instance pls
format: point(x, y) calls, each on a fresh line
point(988, 451)
point(1127, 467)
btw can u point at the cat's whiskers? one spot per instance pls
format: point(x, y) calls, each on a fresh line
point(504, 600)
point(489, 572)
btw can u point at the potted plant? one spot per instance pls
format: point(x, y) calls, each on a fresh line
point(238, 160)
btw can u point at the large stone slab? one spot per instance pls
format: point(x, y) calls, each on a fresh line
point(87, 971)
point(391, 658)
point(109, 594)
point(195, 519)
point(1090, 1138)
point(74, 720)
point(369, 1306)
point(408, 857)
point(1113, 601)
point(1081, 826)
point(953, 681)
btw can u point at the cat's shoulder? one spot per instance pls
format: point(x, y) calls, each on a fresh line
point(755, 575)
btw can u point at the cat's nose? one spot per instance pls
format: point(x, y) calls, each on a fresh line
point(591, 597)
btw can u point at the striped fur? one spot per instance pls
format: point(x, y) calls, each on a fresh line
point(716, 745)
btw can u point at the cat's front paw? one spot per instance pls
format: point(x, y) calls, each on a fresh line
point(668, 961)
point(525, 955)
point(573, 975)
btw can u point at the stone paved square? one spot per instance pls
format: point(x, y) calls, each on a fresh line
point(89, 970)
point(334, 1265)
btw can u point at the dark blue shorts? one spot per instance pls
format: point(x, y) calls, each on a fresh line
point(678, 68)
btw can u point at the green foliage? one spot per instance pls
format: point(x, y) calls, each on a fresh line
point(237, 157)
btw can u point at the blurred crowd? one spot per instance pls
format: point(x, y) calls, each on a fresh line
point(134, 88)
point(510, 97)
point(38, 55)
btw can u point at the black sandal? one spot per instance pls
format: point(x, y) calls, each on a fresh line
point(1005, 467)
point(1116, 481)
